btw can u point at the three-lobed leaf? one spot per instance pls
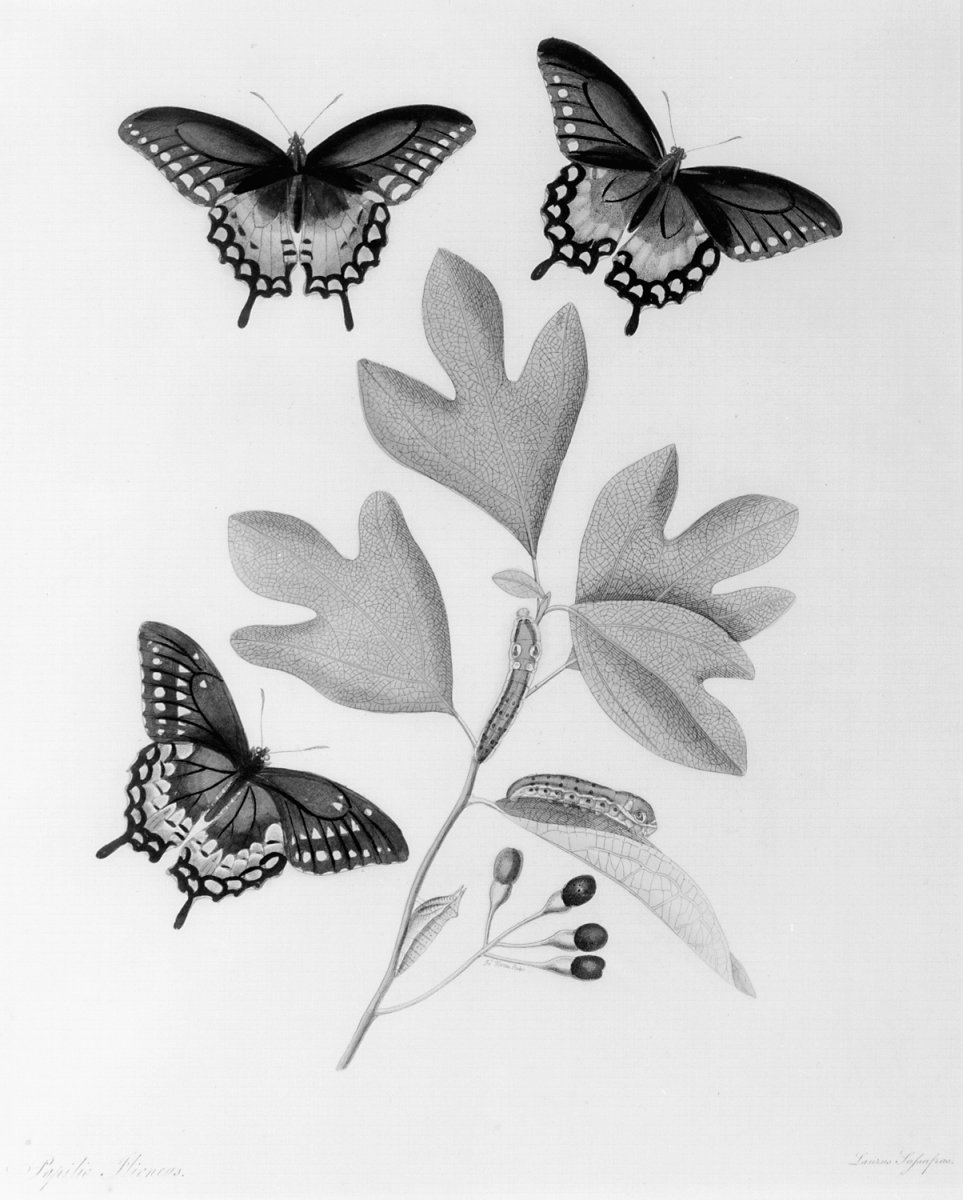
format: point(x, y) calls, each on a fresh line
point(645, 664)
point(630, 859)
point(498, 442)
point(625, 554)
point(380, 638)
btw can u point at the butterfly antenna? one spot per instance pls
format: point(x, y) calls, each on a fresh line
point(321, 113)
point(671, 126)
point(300, 750)
point(279, 121)
point(263, 698)
point(711, 145)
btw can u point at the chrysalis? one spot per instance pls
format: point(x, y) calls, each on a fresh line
point(523, 660)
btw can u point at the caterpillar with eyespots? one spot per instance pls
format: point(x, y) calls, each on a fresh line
point(523, 659)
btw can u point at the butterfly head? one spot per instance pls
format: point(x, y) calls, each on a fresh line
point(260, 757)
point(296, 151)
point(669, 167)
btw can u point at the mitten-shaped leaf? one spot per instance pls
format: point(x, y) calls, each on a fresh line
point(645, 664)
point(499, 443)
point(625, 554)
point(380, 638)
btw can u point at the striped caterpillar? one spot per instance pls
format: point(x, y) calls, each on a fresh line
point(523, 659)
point(526, 797)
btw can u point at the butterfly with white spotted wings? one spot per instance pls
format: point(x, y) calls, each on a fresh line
point(622, 194)
point(326, 209)
point(199, 786)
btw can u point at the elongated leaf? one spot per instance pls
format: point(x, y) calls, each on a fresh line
point(380, 638)
point(632, 861)
point(645, 664)
point(427, 921)
point(625, 554)
point(518, 583)
point(499, 443)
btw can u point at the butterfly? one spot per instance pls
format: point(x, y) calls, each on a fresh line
point(200, 786)
point(326, 210)
point(622, 194)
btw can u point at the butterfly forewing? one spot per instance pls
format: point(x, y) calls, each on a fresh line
point(598, 119)
point(184, 696)
point(204, 156)
point(752, 215)
point(390, 153)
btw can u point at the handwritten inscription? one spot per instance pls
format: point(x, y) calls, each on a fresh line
point(131, 1166)
point(903, 1163)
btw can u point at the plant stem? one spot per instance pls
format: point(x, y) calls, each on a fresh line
point(465, 965)
point(372, 1010)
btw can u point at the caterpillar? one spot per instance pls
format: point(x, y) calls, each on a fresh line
point(523, 659)
point(625, 809)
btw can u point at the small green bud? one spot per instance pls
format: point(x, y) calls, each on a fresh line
point(588, 966)
point(590, 937)
point(508, 865)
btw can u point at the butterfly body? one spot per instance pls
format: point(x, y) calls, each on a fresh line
point(623, 195)
point(236, 822)
point(271, 210)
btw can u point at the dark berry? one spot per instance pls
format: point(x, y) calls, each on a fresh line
point(579, 890)
point(588, 966)
point(590, 937)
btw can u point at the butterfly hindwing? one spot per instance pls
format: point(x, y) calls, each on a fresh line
point(667, 256)
point(241, 848)
point(585, 212)
point(173, 786)
point(753, 216)
point(328, 827)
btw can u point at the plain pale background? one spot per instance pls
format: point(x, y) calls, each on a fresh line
point(139, 418)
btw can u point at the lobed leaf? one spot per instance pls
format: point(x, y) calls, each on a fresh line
point(625, 554)
point(630, 859)
point(500, 443)
point(427, 921)
point(645, 664)
point(380, 638)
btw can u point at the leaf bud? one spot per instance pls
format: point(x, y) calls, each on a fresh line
point(587, 966)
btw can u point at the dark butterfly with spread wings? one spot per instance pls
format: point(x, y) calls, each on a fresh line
point(326, 210)
point(622, 193)
point(200, 786)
